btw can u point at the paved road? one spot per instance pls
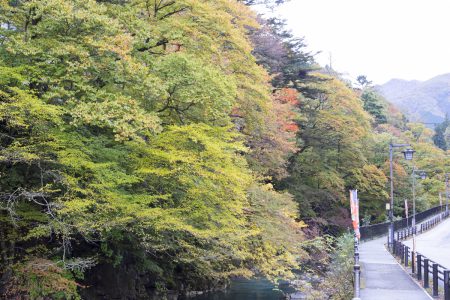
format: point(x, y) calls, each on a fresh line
point(383, 278)
point(435, 244)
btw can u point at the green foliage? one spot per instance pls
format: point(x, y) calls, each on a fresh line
point(41, 278)
point(124, 136)
point(281, 237)
point(439, 138)
point(333, 137)
point(194, 92)
point(142, 136)
point(338, 281)
point(374, 104)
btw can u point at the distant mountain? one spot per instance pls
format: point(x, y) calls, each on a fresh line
point(425, 101)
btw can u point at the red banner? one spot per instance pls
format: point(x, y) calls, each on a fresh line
point(354, 209)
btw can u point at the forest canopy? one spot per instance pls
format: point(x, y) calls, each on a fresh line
point(172, 145)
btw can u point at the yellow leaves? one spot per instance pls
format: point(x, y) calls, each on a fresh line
point(370, 180)
point(114, 172)
point(398, 169)
point(122, 115)
point(18, 106)
point(274, 215)
point(120, 44)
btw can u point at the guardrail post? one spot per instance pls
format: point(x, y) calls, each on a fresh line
point(357, 271)
point(406, 255)
point(426, 283)
point(446, 284)
point(419, 266)
point(435, 280)
point(413, 262)
point(402, 253)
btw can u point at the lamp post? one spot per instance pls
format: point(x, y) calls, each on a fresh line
point(408, 154)
point(422, 175)
point(446, 193)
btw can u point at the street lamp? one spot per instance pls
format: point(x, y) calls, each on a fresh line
point(446, 192)
point(422, 175)
point(408, 153)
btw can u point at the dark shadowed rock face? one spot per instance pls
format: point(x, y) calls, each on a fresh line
point(127, 282)
point(123, 282)
point(425, 101)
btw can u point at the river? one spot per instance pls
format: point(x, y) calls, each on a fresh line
point(245, 289)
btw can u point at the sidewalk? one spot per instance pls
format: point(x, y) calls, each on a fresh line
point(383, 278)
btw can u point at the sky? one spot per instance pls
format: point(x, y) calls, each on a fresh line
point(382, 39)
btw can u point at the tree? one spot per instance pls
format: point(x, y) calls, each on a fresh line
point(439, 136)
point(375, 105)
point(333, 128)
point(124, 132)
point(282, 54)
point(363, 81)
point(268, 3)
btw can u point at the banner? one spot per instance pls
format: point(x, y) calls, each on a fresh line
point(440, 198)
point(406, 208)
point(354, 209)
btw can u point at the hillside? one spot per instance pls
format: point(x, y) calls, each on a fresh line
point(426, 101)
point(161, 149)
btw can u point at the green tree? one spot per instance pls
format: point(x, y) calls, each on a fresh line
point(439, 135)
point(375, 105)
point(125, 129)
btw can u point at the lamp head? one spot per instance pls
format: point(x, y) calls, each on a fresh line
point(408, 153)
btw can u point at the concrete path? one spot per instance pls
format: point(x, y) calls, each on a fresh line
point(434, 244)
point(383, 278)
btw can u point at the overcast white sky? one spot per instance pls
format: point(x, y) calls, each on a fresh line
point(383, 39)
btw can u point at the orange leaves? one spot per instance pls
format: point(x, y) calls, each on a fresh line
point(277, 139)
point(284, 102)
point(287, 95)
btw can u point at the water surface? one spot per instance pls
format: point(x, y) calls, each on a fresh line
point(245, 289)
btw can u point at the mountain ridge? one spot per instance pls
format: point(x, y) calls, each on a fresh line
point(425, 101)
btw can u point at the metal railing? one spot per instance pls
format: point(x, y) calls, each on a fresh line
point(372, 231)
point(420, 265)
point(424, 226)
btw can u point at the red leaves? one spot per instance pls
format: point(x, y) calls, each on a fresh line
point(285, 101)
